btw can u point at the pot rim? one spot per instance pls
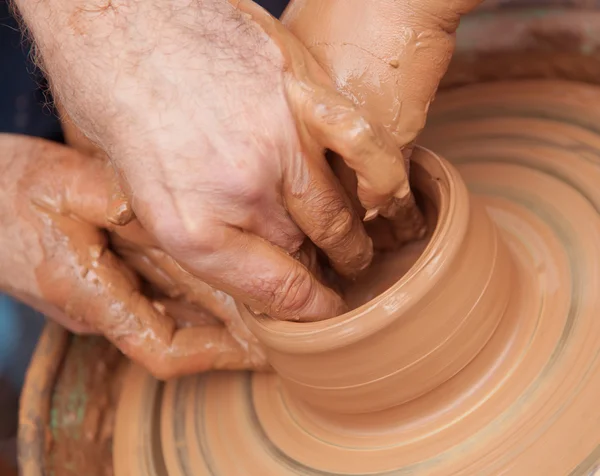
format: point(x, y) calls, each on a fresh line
point(452, 203)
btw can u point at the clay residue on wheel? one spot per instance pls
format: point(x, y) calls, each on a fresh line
point(79, 439)
point(550, 42)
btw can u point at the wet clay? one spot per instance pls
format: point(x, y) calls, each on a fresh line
point(526, 237)
point(386, 56)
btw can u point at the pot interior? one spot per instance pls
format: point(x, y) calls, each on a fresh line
point(388, 267)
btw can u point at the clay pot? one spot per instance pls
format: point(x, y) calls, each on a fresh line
point(529, 153)
point(416, 335)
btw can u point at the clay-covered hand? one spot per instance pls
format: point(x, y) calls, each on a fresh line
point(188, 300)
point(217, 118)
point(386, 55)
point(55, 257)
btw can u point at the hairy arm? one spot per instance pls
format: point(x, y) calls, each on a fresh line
point(190, 101)
point(104, 44)
point(217, 118)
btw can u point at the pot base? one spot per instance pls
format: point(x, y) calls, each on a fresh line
point(527, 403)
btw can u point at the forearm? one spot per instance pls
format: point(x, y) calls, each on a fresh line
point(101, 56)
point(387, 55)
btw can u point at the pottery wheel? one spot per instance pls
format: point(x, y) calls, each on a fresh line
point(528, 404)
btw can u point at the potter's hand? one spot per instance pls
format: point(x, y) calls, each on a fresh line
point(186, 298)
point(388, 56)
point(54, 256)
point(218, 120)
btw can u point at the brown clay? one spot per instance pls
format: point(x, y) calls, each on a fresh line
point(387, 56)
point(500, 398)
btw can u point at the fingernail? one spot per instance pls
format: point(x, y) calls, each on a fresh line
point(371, 214)
point(119, 213)
point(254, 312)
point(160, 307)
point(96, 251)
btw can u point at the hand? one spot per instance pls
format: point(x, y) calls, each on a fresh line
point(54, 256)
point(388, 57)
point(217, 119)
point(188, 300)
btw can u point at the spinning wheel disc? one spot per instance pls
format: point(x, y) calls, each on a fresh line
point(526, 405)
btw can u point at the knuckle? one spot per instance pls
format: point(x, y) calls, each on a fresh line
point(248, 181)
point(328, 201)
point(160, 369)
point(181, 239)
point(292, 294)
point(338, 231)
point(335, 221)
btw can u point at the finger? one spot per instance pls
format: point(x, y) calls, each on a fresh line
point(85, 187)
point(368, 149)
point(67, 182)
point(79, 185)
point(195, 300)
point(336, 123)
point(119, 211)
point(92, 285)
point(317, 203)
point(166, 274)
point(386, 234)
point(379, 230)
point(72, 325)
point(307, 255)
point(186, 314)
point(408, 222)
point(262, 276)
